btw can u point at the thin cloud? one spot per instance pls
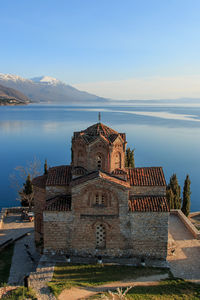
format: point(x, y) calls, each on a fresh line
point(148, 88)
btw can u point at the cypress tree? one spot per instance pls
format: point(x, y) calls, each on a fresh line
point(45, 167)
point(27, 193)
point(170, 198)
point(186, 196)
point(28, 187)
point(174, 193)
point(130, 159)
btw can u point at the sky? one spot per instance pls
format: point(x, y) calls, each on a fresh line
point(120, 49)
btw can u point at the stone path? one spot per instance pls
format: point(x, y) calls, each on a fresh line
point(76, 293)
point(185, 262)
point(14, 228)
point(25, 259)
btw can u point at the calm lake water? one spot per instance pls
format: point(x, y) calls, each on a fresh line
point(162, 136)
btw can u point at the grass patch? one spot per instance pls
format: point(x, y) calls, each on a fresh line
point(5, 263)
point(175, 289)
point(66, 276)
point(21, 293)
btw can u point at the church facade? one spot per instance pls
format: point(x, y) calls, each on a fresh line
point(97, 206)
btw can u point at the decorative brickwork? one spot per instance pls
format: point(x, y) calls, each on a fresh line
point(96, 206)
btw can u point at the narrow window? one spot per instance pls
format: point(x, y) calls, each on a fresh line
point(102, 199)
point(97, 198)
point(100, 236)
point(99, 161)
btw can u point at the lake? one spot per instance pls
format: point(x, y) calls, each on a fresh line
point(167, 136)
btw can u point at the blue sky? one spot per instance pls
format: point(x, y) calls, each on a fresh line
point(93, 43)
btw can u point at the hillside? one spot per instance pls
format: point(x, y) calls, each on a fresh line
point(9, 96)
point(50, 90)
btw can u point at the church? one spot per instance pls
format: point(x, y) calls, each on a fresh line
point(98, 207)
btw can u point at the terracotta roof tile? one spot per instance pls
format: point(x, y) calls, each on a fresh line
point(60, 175)
point(59, 203)
point(40, 181)
point(119, 172)
point(115, 179)
point(99, 129)
point(99, 174)
point(149, 176)
point(148, 203)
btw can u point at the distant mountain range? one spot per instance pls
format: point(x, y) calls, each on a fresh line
point(46, 89)
point(9, 96)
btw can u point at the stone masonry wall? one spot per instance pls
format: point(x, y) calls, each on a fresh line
point(117, 148)
point(87, 216)
point(57, 231)
point(39, 205)
point(98, 148)
point(127, 234)
point(149, 231)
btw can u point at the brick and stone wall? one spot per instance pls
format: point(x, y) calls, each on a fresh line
point(39, 205)
point(57, 230)
point(149, 232)
point(112, 156)
point(127, 234)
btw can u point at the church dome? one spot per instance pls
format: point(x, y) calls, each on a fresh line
point(99, 129)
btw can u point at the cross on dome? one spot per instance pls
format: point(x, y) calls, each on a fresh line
point(99, 117)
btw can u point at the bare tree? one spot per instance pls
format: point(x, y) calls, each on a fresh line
point(19, 178)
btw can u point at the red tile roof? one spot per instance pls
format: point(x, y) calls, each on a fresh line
point(119, 172)
point(59, 203)
point(40, 181)
point(148, 203)
point(149, 176)
point(60, 175)
point(99, 129)
point(99, 174)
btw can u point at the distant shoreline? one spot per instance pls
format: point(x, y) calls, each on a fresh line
point(11, 102)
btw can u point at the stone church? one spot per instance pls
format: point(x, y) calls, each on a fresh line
point(96, 206)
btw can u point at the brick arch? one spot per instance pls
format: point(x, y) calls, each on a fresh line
point(118, 160)
point(91, 190)
point(97, 222)
point(99, 160)
point(99, 149)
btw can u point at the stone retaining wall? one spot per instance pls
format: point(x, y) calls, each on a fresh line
point(187, 223)
point(3, 213)
point(7, 210)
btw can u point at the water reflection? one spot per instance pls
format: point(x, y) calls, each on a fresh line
point(46, 132)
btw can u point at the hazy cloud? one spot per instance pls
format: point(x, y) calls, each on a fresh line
point(145, 88)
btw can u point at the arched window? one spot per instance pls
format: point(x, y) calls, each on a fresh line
point(100, 236)
point(118, 160)
point(100, 199)
point(80, 161)
point(99, 161)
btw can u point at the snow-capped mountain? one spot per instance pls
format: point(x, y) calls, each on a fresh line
point(48, 89)
point(11, 78)
point(46, 80)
